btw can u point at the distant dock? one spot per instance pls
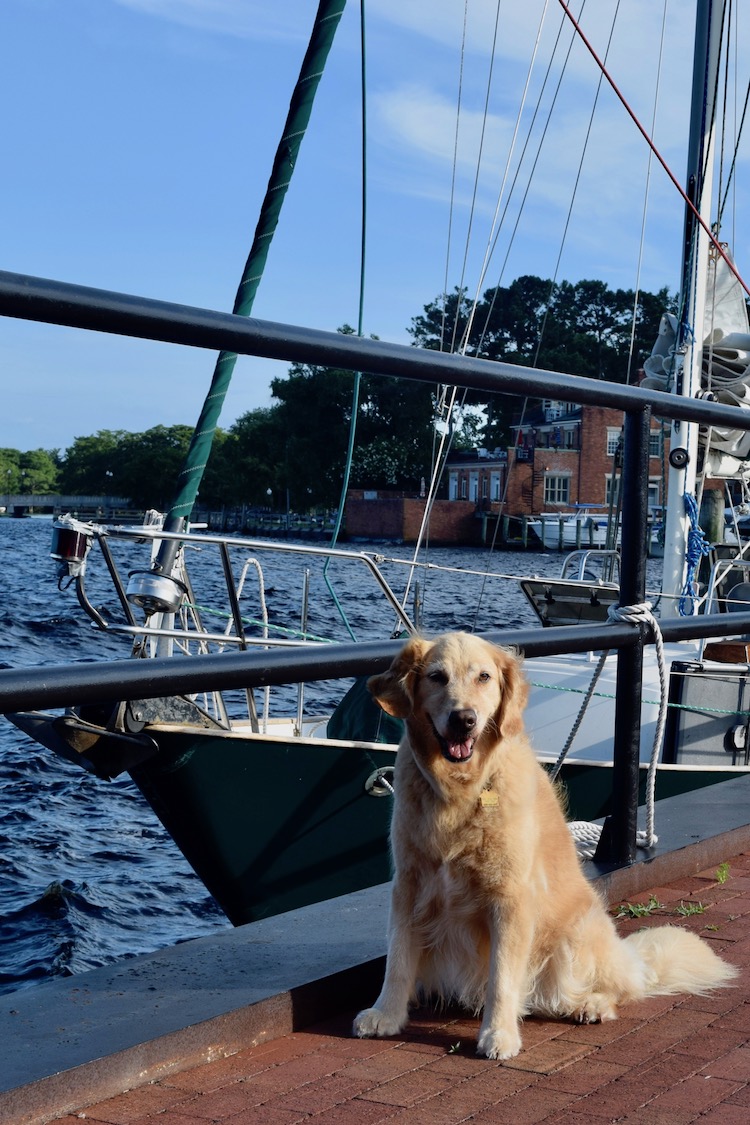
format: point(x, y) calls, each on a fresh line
point(109, 509)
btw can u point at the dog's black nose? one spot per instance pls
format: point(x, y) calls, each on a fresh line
point(462, 722)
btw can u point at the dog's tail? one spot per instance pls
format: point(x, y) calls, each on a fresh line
point(679, 961)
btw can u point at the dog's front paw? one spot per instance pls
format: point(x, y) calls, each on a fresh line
point(494, 1043)
point(372, 1023)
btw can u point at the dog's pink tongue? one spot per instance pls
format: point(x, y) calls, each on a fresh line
point(461, 750)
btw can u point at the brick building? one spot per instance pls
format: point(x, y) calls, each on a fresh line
point(566, 455)
point(478, 475)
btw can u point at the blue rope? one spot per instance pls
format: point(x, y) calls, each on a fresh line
point(697, 547)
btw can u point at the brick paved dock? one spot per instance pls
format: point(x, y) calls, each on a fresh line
point(234, 1026)
point(666, 1061)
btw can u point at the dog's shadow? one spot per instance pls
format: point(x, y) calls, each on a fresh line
point(443, 1028)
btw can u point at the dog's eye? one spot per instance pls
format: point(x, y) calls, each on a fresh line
point(438, 676)
point(483, 677)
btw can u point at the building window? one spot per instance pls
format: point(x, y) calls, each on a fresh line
point(613, 440)
point(494, 486)
point(474, 486)
point(552, 409)
point(484, 487)
point(654, 443)
point(556, 489)
point(453, 486)
point(654, 493)
point(463, 488)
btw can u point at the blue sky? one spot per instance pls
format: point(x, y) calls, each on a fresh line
point(138, 136)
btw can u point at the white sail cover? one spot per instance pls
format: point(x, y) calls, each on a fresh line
point(726, 363)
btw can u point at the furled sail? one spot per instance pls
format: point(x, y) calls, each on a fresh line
point(725, 366)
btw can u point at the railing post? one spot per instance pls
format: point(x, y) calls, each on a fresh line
point(618, 842)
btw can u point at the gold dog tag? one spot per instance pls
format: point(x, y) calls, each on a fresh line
point(488, 799)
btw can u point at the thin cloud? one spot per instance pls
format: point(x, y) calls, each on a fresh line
point(245, 19)
point(423, 120)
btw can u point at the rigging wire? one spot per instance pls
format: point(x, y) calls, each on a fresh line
point(450, 407)
point(514, 232)
point(448, 396)
point(604, 74)
point(509, 159)
point(453, 178)
point(472, 208)
point(574, 193)
point(438, 458)
point(360, 320)
point(739, 130)
point(540, 335)
point(511, 243)
point(646, 194)
point(675, 182)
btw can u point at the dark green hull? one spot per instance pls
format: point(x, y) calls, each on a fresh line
point(271, 825)
point(587, 786)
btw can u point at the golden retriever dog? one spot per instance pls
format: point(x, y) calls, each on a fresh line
point(489, 905)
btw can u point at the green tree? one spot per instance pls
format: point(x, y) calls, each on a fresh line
point(314, 409)
point(295, 451)
point(10, 470)
point(395, 432)
point(583, 328)
point(34, 471)
point(252, 453)
point(91, 465)
point(40, 471)
point(150, 464)
point(141, 466)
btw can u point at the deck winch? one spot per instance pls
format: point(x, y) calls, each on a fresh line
point(154, 592)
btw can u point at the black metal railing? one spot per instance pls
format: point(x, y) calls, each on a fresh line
point(55, 302)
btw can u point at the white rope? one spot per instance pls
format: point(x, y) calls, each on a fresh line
point(585, 834)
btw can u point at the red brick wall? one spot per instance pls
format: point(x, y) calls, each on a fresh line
point(373, 519)
point(400, 518)
point(451, 521)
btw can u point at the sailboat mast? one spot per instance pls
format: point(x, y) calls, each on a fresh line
point(326, 23)
point(689, 347)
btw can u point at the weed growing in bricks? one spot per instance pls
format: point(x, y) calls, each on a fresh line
point(685, 909)
point(638, 909)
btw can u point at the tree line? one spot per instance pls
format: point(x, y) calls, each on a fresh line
point(291, 454)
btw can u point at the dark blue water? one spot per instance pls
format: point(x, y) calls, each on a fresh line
point(87, 873)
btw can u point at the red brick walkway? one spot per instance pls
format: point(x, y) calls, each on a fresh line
point(666, 1061)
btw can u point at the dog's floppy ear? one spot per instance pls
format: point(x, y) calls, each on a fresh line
point(514, 691)
point(394, 689)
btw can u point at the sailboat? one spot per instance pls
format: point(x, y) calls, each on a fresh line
point(274, 814)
